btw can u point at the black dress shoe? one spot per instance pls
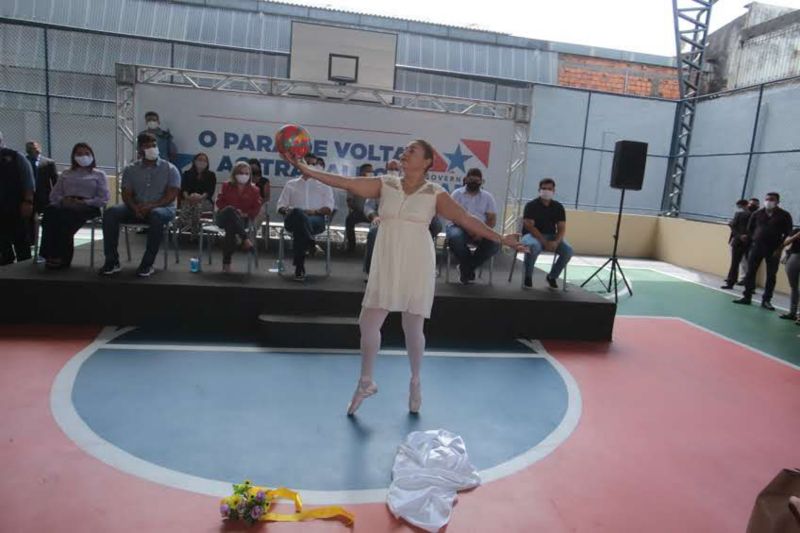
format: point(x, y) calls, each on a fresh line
point(743, 301)
point(553, 283)
point(788, 316)
point(767, 305)
point(740, 283)
point(727, 287)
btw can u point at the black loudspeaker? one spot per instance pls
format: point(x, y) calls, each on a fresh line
point(627, 172)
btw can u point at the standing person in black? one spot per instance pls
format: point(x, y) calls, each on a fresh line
point(737, 241)
point(766, 230)
point(45, 175)
point(16, 205)
point(198, 185)
point(544, 225)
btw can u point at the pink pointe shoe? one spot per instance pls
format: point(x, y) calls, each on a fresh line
point(414, 396)
point(365, 389)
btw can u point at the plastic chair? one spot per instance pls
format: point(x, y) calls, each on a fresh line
point(514, 264)
point(168, 232)
point(210, 228)
point(279, 267)
point(472, 247)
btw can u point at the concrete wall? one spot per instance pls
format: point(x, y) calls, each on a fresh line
point(687, 243)
point(557, 134)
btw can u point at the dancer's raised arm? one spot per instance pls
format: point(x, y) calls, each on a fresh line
point(364, 187)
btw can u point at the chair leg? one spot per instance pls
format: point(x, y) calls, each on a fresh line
point(91, 248)
point(127, 242)
point(328, 251)
point(279, 262)
point(565, 279)
point(167, 234)
point(200, 250)
point(35, 239)
point(491, 269)
point(447, 263)
point(254, 239)
point(176, 232)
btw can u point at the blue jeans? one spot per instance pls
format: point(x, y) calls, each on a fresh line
point(458, 239)
point(564, 252)
point(157, 218)
point(303, 227)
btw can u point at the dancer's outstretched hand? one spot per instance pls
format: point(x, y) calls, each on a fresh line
point(298, 163)
point(512, 241)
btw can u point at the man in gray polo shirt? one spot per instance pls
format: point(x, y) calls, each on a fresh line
point(481, 205)
point(149, 189)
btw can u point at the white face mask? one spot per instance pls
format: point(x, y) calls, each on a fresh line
point(770, 204)
point(84, 160)
point(546, 194)
point(152, 125)
point(201, 165)
point(320, 166)
point(392, 172)
point(151, 154)
point(243, 178)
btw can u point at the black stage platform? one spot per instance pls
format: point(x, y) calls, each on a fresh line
point(317, 312)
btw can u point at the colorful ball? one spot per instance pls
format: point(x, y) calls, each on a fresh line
point(293, 140)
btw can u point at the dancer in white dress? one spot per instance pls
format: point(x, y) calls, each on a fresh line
point(402, 274)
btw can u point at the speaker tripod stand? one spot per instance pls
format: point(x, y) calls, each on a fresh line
point(613, 278)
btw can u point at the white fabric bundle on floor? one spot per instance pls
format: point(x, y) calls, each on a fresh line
point(429, 468)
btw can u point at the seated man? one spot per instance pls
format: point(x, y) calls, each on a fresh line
point(356, 214)
point(150, 187)
point(481, 205)
point(304, 203)
point(544, 224)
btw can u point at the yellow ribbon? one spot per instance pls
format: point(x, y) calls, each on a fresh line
point(282, 493)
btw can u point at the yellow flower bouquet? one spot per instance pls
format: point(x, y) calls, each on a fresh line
point(252, 504)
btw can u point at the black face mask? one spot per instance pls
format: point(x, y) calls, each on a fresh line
point(753, 208)
point(473, 187)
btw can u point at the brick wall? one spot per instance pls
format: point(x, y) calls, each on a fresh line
point(617, 76)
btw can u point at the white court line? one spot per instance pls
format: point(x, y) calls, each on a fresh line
point(719, 335)
point(315, 351)
point(79, 432)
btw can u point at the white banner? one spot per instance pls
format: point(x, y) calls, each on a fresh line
point(231, 127)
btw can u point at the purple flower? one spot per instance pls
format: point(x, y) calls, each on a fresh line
point(256, 512)
point(260, 496)
point(224, 509)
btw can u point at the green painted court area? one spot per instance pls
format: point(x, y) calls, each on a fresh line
point(659, 294)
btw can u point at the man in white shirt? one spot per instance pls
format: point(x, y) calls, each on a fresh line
point(304, 204)
point(481, 205)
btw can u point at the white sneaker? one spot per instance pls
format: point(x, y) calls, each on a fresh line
point(364, 389)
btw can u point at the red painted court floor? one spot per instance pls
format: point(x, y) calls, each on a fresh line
point(680, 430)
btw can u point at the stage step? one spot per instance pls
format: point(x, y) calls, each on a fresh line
point(305, 331)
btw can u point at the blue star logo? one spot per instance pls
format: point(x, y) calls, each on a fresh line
point(457, 159)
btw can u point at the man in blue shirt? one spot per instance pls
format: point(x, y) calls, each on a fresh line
point(149, 189)
point(481, 205)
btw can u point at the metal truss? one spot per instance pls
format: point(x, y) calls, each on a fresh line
point(691, 19)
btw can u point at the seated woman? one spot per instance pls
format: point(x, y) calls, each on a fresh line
point(197, 194)
point(238, 202)
point(76, 197)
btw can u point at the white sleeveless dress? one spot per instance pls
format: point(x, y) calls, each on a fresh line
point(402, 275)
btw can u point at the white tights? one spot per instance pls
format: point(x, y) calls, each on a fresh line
point(370, 324)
